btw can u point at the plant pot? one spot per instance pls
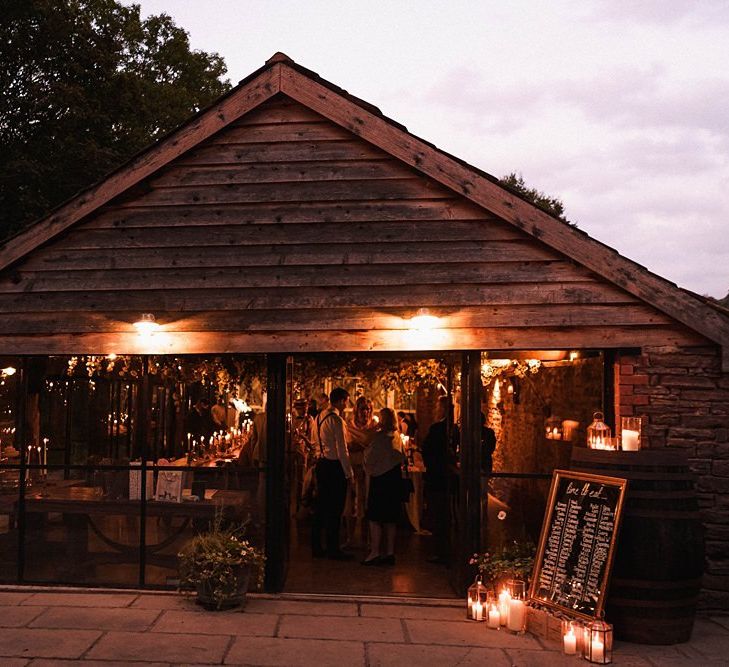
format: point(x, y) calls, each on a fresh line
point(233, 595)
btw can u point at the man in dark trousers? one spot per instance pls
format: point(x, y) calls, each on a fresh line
point(439, 456)
point(333, 473)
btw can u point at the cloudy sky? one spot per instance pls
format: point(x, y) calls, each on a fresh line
point(618, 107)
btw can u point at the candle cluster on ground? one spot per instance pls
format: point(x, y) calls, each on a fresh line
point(508, 610)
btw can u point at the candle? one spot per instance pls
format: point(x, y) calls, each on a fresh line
point(631, 440)
point(478, 611)
point(494, 617)
point(570, 643)
point(597, 651)
point(470, 607)
point(517, 612)
point(504, 599)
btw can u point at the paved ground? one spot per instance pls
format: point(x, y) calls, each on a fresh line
point(42, 628)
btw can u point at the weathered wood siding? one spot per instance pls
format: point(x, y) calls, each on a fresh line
point(285, 232)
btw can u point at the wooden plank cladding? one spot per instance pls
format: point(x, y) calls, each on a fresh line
point(283, 231)
point(181, 342)
point(201, 299)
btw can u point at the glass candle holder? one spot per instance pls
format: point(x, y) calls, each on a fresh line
point(630, 433)
point(517, 613)
point(598, 638)
point(572, 637)
point(477, 601)
point(598, 432)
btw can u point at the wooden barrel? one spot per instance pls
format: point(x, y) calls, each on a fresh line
point(659, 556)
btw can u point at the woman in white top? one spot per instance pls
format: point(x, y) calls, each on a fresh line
point(383, 459)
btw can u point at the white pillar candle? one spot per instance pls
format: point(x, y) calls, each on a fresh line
point(597, 652)
point(494, 617)
point(570, 643)
point(470, 607)
point(517, 612)
point(504, 599)
point(631, 440)
point(478, 611)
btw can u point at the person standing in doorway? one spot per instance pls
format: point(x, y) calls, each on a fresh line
point(438, 456)
point(333, 474)
point(360, 431)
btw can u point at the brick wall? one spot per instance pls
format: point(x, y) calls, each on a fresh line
point(684, 399)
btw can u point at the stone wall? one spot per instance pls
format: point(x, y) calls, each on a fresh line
point(684, 399)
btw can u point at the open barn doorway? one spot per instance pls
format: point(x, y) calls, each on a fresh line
point(536, 404)
point(411, 387)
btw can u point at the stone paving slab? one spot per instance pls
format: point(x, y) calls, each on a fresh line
point(92, 663)
point(12, 598)
point(303, 607)
point(17, 662)
point(331, 627)
point(282, 652)
point(183, 602)
point(41, 643)
point(99, 618)
point(18, 617)
point(222, 623)
point(129, 646)
point(80, 599)
point(466, 634)
point(389, 655)
point(723, 621)
point(526, 658)
point(414, 611)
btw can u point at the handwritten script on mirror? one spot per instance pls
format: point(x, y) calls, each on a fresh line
point(577, 541)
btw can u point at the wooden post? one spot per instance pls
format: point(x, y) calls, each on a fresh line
point(276, 505)
point(141, 442)
point(20, 444)
point(470, 468)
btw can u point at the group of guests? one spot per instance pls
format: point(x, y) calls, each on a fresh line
point(358, 465)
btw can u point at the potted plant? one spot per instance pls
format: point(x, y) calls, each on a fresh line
point(514, 561)
point(218, 564)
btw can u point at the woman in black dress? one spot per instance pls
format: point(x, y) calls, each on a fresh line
point(383, 459)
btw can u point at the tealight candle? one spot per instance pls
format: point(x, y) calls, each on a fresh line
point(494, 617)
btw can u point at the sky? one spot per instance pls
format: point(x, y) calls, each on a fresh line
point(618, 107)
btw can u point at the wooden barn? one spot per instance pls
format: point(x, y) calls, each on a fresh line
point(291, 218)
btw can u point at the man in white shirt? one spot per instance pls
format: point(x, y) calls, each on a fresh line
point(333, 473)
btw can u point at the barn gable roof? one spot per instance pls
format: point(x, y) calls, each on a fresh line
point(282, 75)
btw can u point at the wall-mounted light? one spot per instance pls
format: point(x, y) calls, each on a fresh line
point(147, 325)
point(8, 371)
point(424, 321)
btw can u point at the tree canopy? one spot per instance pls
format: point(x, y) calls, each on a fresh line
point(87, 84)
point(549, 204)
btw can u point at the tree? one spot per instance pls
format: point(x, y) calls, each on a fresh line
point(87, 84)
point(552, 205)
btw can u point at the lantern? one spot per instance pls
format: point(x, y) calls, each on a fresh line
point(598, 638)
point(598, 433)
point(630, 434)
point(572, 637)
point(478, 599)
point(516, 619)
point(554, 428)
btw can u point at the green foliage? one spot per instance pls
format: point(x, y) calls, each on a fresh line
point(390, 373)
point(514, 561)
point(87, 84)
point(551, 205)
point(215, 557)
